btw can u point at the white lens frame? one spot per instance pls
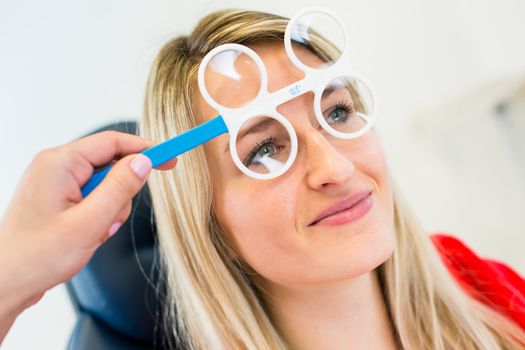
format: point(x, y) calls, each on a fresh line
point(265, 103)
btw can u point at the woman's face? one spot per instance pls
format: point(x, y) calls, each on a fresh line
point(271, 223)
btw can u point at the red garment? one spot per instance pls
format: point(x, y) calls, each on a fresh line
point(489, 281)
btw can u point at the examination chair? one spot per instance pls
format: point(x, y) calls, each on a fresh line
point(117, 295)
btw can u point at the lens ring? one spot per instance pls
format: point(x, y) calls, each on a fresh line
point(320, 30)
point(291, 157)
point(346, 94)
point(253, 63)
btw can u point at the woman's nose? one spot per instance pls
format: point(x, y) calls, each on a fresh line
point(326, 166)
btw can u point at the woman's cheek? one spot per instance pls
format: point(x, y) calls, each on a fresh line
point(372, 161)
point(261, 226)
point(377, 169)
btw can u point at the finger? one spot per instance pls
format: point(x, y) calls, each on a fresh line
point(101, 148)
point(123, 215)
point(170, 164)
point(101, 208)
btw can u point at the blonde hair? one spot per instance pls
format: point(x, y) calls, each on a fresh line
point(212, 303)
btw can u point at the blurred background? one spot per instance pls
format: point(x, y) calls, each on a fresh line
point(449, 74)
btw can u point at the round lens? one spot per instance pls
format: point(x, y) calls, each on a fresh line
point(264, 145)
point(232, 78)
point(317, 39)
point(346, 105)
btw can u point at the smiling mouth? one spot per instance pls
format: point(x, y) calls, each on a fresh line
point(346, 213)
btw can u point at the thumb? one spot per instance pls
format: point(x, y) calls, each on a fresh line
point(101, 208)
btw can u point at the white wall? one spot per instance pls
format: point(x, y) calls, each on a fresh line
point(69, 66)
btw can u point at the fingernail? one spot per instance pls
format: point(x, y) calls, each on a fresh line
point(141, 165)
point(114, 228)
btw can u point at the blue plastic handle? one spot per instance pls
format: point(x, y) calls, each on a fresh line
point(169, 149)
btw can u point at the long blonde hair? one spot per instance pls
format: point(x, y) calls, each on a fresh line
point(212, 303)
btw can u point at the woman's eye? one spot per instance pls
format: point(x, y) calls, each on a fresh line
point(340, 113)
point(264, 149)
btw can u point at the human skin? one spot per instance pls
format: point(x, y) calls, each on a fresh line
point(49, 232)
point(319, 279)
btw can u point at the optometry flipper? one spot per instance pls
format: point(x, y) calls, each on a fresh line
point(233, 80)
point(169, 149)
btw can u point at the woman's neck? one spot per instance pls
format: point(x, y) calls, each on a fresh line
point(348, 314)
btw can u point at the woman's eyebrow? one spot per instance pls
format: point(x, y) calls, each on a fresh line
point(260, 126)
point(265, 123)
point(328, 91)
point(331, 89)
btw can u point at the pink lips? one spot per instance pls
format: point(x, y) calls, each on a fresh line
point(349, 209)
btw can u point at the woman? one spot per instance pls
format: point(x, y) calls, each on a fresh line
point(258, 264)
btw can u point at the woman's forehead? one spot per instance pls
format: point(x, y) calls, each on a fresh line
point(280, 69)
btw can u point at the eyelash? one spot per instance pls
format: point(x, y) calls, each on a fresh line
point(348, 106)
point(268, 141)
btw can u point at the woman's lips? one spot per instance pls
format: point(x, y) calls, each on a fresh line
point(348, 214)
